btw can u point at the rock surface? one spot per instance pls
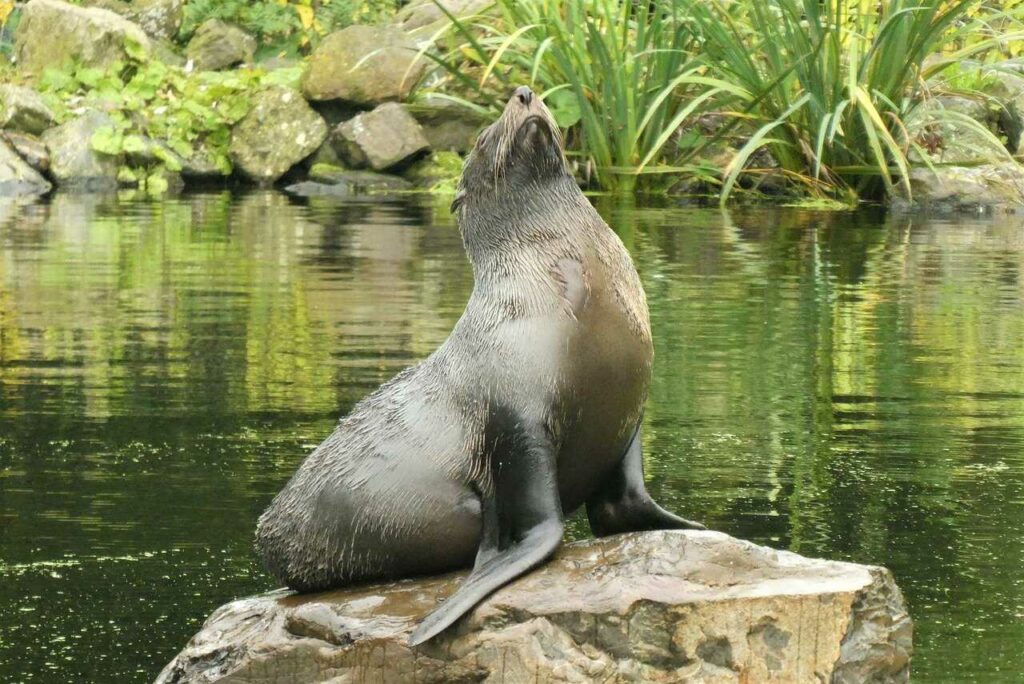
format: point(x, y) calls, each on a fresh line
point(29, 148)
point(22, 109)
point(278, 132)
point(981, 189)
point(380, 139)
point(52, 33)
point(648, 607)
point(364, 65)
point(17, 177)
point(73, 161)
point(160, 19)
point(218, 45)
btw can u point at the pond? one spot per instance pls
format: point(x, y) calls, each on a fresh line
point(845, 385)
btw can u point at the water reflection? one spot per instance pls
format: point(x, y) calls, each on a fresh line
point(846, 385)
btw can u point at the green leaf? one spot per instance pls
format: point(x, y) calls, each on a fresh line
point(133, 144)
point(107, 140)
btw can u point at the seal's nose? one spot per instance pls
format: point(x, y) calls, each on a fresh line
point(524, 94)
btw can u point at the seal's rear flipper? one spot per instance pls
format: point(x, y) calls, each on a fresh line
point(522, 522)
point(622, 503)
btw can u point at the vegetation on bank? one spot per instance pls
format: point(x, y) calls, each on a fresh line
point(831, 100)
point(836, 92)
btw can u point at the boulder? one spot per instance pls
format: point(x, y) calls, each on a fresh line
point(73, 161)
point(30, 148)
point(427, 14)
point(448, 125)
point(218, 45)
point(160, 19)
point(364, 65)
point(989, 188)
point(22, 109)
point(17, 177)
point(381, 139)
point(645, 607)
point(278, 132)
point(52, 33)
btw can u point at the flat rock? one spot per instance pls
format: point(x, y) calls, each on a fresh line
point(17, 177)
point(52, 33)
point(219, 45)
point(348, 183)
point(989, 188)
point(380, 139)
point(645, 607)
point(73, 161)
point(278, 132)
point(364, 65)
point(22, 109)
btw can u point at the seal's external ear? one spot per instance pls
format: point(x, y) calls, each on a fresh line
point(460, 195)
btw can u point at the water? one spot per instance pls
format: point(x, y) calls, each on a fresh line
point(842, 385)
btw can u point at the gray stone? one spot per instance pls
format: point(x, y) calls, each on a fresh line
point(52, 33)
point(380, 139)
point(73, 161)
point(364, 65)
point(218, 45)
point(646, 607)
point(989, 188)
point(448, 125)
point(17, 177)
point(278, 132)
point(160, 19)
point(22, 109)
point(30, 148)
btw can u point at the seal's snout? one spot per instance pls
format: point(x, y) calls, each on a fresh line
point(524, 95)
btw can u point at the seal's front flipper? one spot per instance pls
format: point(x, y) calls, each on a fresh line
point(522, 522)
point(622, 503)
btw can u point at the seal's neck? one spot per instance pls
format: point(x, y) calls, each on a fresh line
point(500, 224)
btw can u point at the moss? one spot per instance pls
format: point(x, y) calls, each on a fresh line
point(438, 172)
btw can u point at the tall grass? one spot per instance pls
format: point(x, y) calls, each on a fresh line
point(838, 82)
point(623, 75)
point(832, 88)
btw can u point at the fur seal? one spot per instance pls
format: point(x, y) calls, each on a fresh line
point(530, 409)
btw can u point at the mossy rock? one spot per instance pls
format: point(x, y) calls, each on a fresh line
point(278, 132)
point(387, 69)
point(53, 33)
point(438, 172)
point(73, 161)
point(219, 45)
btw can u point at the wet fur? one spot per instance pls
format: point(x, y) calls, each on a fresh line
point(555, 331)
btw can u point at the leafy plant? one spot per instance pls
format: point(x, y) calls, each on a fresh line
point(283, 25)
point(162, 116)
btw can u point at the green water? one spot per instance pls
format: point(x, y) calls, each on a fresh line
point(847, 386)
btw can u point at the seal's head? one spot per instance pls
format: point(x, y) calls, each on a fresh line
point(522, 147)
